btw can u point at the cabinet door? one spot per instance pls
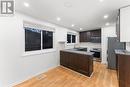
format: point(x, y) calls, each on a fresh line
point(88, 36)
point(70, 60)
point(65, 58)
point(83, 64)
point(125, 24)
point(62, 58)
point(124, 70)
point(73, 61)
point(85, 36)
point(96, 33)
point(90, 65)
point(91, 36)
point(82, 36)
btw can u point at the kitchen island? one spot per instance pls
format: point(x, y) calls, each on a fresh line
point(79, 61)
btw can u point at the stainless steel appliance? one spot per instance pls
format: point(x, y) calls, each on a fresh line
point(113, 44)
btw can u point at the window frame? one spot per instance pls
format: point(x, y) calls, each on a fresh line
point(41, 51)
point(71, 43)
point(70, 38)
point(33, 31)
point(74, 38)
point(46, 37)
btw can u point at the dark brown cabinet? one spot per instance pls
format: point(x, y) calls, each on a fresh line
point(82, 37)
point(91, 36)
point(77, 62)
point(96, 33)
point(85, 36)
point(123, 70)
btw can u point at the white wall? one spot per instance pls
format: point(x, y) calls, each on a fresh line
point(14, 66)
point(90, 45)
point(107, 32)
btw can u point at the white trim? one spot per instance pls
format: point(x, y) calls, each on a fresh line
point(71, 33)
point(37, 26)
point(32, 76)
point(39, 52)
point(69, 44)
point(71, 38)
point(41, 39)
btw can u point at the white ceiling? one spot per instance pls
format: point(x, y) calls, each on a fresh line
point(86, 14)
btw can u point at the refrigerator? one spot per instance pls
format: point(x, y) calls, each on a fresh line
point(113, 44)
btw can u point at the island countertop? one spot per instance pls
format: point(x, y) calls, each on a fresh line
point(122, 52)
point(78, 52)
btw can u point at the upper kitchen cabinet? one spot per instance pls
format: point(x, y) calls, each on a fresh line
point(85, 36)
point(125, 24)
point(96, 36)
point(93, 36)
point(96, 33)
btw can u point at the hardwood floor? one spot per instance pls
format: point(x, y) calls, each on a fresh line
point(62, 77)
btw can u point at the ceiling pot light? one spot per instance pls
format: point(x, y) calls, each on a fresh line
point(101, 0)
point(58, 18)
point(106, 16)
point(72, 25)
point(107, 24)
point(26, 4)
point(81, 28)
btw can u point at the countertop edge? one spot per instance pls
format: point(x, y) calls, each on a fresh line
point(122, 52)
point(78, 52)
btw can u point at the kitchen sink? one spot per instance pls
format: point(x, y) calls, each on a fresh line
point(81, 49)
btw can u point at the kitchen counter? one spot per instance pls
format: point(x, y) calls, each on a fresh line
point(122, 52)
point(79, 61)
point(78, 52)
point(95, 50)
point(123, 67)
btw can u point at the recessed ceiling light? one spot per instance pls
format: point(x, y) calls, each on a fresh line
point(107, 24)
point(58, 18)
point(101, 0)
point(72, 25)
point(81, 28)
point(26, 4)
point(106, 16)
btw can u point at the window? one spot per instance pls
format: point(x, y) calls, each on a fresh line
point(47, 39)
point(71, 38)
point(32, 39)
point(36, 39)
point(68, 38)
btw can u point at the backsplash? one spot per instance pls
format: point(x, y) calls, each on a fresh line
point(128, 46)
point(90, 45)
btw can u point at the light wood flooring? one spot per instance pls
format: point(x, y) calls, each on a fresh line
point(62, 77)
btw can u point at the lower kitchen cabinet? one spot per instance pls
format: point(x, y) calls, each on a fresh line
point(123, 70)
point(77, 62)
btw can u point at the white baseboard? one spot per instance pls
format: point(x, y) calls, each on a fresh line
point(104, 62)
point(29, 77)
